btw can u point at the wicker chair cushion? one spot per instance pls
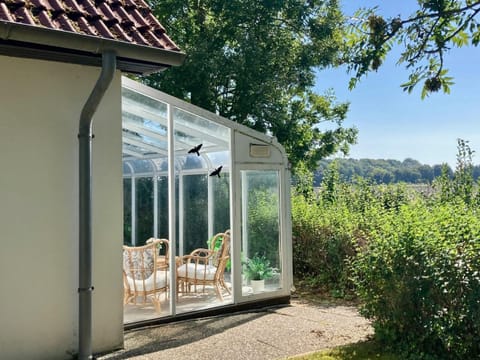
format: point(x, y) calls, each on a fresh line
point(142, 266)
point(201, 271)
point(150, 283)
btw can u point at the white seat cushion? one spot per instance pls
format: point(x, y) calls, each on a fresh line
point(161, 281)
point(201, 271)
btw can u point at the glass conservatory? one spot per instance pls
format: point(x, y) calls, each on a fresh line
point(206, 210)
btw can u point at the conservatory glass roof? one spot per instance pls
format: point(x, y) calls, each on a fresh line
point(145, 137)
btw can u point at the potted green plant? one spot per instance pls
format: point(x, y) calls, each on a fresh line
point(257, 269)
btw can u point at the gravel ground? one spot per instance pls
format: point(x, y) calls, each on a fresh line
point(273, 333)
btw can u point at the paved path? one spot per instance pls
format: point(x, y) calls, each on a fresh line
point(273, 333)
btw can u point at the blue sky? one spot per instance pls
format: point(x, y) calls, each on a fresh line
point(393, 124)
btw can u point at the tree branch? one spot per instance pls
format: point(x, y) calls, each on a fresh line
point(423, 44)
point(461, 27)
point(441, 14)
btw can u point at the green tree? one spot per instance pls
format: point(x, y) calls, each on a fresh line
point(426, 35)
point(463, 181)
point(330, 183)
point(426, 173)
point(383, 171)
point(381, 176)
point(254, 62)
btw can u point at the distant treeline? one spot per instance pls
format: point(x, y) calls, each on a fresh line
point(386, 171)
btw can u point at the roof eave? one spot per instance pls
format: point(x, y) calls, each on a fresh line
point(152, 59)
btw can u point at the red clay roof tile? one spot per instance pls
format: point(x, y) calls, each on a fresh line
point(45, 20)
point(85, 27)
point(24, 16)
point(56, 6)
point(5, 13)
point(128, 20)
point(65, 23)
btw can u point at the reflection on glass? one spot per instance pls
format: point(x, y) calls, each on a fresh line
point(140, 166)
point(221, 203)
point(192, 130)
point(195, 212)
point(143, 210)
point(138, 103)
point(162, 207)
point(203, 209)
point(261, 256)
point(203, 127)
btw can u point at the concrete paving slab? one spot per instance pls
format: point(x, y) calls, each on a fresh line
point(268, 334)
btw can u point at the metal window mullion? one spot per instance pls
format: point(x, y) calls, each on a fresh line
point(181, 212)
point(155, 205)
point(244, 205)
point(235, 246)
point(210, 206)
point(281, 246)
point(171, 207)
point(134, 212)
point(287, 271)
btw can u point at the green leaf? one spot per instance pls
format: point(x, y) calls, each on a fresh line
point(461, 39)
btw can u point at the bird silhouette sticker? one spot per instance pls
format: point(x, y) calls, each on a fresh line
point(216, 171)
point(195, 150)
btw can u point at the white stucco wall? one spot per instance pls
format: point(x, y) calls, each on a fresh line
point(40, 105)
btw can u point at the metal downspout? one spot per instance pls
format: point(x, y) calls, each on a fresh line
point(85, 137)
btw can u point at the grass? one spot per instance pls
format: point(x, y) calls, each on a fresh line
point(368, 350)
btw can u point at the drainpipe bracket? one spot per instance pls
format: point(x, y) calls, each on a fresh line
point(88, 136)
point(89, 289)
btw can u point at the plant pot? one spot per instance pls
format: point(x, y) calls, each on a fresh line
point(257, 285)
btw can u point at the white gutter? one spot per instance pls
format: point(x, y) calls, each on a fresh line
point(87, 43)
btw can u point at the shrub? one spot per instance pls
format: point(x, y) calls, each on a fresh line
point(419, 281)
point(329, 229)
point(324, 239)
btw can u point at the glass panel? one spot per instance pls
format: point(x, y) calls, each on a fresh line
point(203, 280)
point(141, 166)
point(127, 212)
point(161, 164)
point(143, 210)
point(126, 169)
point(221, 203)
point(191, 162)
point(204, 127)
point(219, 158)
point(221, 213)
point(260, 231)
point(191, 131)
point(162, 207)
point(144, 125)
point(144, 106)
point(195, 212)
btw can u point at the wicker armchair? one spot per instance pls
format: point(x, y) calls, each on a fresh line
point(144, 276)
point(206, 266)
